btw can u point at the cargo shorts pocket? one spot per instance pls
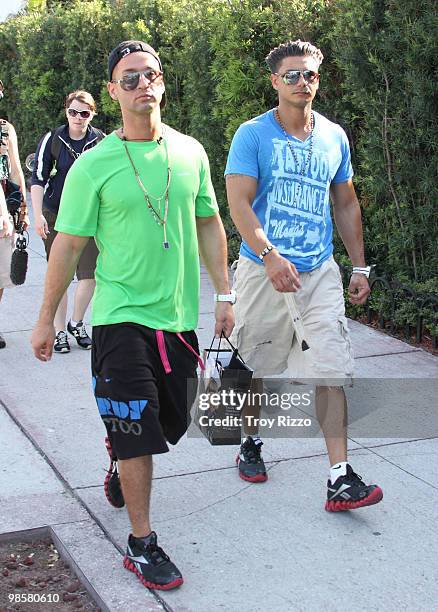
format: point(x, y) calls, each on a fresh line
point(264, 352)
point(337, 271)
point(349, 357)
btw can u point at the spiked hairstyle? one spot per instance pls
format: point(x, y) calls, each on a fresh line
point(292, 48)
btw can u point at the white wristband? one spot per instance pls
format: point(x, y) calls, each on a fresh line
point(365, 271)
point(226, 297)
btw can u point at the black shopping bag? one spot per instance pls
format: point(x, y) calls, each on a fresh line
point(222, 389)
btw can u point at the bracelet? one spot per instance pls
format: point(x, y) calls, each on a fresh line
point(265, 251)
point(365, 271)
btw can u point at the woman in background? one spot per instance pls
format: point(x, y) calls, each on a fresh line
point(56, 153)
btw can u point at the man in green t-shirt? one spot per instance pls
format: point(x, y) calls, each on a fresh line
point(147, 198)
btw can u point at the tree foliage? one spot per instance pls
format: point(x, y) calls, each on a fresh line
point(378, 80)
point(389, 86)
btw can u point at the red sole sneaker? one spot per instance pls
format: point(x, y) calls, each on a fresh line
point(339, 506)
point(257, 478)
point(128, 564)
point(106, 483)
point(108, 448)
point(108, 493)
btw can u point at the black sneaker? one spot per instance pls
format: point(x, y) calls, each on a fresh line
point(80, 333)
point(350, 492)
point(2, 342)
point(61, 344)
point(249, 461)
point(111, 485)
point(151, 564)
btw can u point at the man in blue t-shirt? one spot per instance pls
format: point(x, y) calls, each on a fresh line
point(283, 168)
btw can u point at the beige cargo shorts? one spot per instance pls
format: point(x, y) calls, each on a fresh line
point(264, 332)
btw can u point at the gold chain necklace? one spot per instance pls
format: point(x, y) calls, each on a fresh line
point(161, 219)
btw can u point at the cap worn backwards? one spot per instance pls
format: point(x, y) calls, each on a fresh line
point(126, 48)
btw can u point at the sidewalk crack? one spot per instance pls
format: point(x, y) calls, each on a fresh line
point(402, 469)
point(215, 503)
point(401, 352)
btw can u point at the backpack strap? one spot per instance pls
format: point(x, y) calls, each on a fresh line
point(56, 145)
point(98, 133)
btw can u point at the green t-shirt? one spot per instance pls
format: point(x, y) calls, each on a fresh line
point(137, 280)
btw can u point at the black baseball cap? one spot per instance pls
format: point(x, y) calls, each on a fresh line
point(125, 48)
point(132, 46)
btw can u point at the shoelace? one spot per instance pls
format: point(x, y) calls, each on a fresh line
point(82, 331)
point(157, 554)
point(355, 478)
point(61, 336)
point(252, 452)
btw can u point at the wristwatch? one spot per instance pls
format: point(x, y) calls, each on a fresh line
point(225, 297)
point(365, 271)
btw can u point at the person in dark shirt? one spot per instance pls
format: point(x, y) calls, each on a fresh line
point(56, 153)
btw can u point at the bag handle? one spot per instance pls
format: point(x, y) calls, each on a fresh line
point(233, 348)
point(218, 348)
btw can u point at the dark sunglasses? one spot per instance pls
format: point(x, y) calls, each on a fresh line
point(73, 113)
point(291, 77)
point(130, 81)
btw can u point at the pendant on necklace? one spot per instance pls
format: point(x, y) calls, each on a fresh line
point(165, 244)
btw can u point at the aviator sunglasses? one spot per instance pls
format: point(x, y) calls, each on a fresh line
point(83, 113)
point(130, 81)
point(291, 77)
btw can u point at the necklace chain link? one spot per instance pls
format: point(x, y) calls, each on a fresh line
point(161, 219)
point(306, 161)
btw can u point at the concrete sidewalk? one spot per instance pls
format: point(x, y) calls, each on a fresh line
point(241, 547)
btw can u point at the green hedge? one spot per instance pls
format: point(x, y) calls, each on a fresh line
point(378, 80)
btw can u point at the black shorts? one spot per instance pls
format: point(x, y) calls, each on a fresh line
point(87, 261)
point(144, 386)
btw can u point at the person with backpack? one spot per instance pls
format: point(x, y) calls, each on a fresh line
point(56, 153)
point(12, 179)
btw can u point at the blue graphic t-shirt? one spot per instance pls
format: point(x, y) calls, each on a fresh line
point(299, 227)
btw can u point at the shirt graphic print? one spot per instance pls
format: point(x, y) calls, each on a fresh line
point(293, 209)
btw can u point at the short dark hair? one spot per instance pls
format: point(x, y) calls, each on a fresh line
point(292, 48)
